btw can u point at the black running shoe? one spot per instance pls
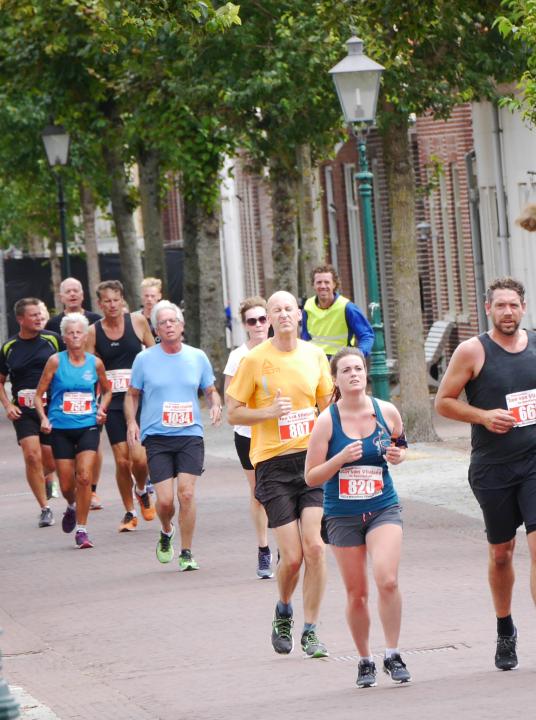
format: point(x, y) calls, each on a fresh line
point(366, 674)
point(282, 640)
point(396, 668)
point(505, 655)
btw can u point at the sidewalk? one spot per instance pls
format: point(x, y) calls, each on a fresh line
point(110, 633)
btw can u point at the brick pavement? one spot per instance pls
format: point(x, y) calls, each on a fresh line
point(110, 633)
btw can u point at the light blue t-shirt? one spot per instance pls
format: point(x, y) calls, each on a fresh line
point(170, 383)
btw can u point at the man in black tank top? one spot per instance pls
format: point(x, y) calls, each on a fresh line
point(117, 339)
point(498, 372)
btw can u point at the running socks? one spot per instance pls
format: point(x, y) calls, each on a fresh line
point(141, 492)
point(284, 609)
point(389, 652)
point(307, 627)
point(505, 626)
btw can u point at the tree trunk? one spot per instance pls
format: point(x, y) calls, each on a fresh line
point(153, 231)
point(285, 246)
point(311, 251)
point(191, 275)
point(415, 406)
point(87, 201)
point(203, 285)
point(131, 267)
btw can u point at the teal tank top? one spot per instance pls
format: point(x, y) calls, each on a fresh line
point(72, 394)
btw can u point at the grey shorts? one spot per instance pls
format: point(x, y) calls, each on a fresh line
point(351, 530)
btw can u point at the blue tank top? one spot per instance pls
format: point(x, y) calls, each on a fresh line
point(72, 394)
point(363, 486)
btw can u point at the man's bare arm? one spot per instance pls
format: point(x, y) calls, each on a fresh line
point(239, 414)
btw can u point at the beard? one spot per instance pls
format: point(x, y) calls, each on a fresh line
point(510, 329)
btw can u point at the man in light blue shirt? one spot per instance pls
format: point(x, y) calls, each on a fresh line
point(169, 375)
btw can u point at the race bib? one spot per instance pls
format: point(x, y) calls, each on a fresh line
point(119, 380)
point(523, 405)
point(77, 403)
point(177, 415)
point(26, 398)
point(296, 424)
point(360, 482)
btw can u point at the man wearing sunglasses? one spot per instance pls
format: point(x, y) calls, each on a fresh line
point(330, 320)
point(276, 390)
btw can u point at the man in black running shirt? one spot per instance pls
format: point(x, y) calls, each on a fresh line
point(22, 359)
point(117, 339)
point(497, 370)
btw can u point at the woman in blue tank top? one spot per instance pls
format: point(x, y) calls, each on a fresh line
point(351, 445)
point(73, 420)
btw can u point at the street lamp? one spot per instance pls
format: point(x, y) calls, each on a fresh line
point(357, 80)
point(56, 142)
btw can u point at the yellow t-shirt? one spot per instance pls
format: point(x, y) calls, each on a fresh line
point(302, 374)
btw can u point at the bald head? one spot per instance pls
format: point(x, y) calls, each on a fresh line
point(284, 314)
point(71, 294)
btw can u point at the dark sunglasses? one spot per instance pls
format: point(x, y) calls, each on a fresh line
point(253, 321)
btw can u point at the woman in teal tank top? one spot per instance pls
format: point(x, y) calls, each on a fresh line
point(73, 419)
point(351, 447)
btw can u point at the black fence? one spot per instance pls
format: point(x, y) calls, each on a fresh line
point(30, 277)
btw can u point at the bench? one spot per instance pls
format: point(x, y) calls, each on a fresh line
point(434, 349)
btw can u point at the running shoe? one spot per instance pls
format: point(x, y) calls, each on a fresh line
point(187, 561)
point(264, 565)
point(311, 645)
point(505, 655)
point(128, 523)
point(164, 547)
point(95, 503)
point(396, 668)
point(148, 510)
point(68, 522)
point(46, 519)
point(282, 640)
point(366, 674)
point(82, 540)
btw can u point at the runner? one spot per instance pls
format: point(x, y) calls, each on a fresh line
point(497, 370)
point(72, 299)
point(275, 390)
point(73, 419)
point(253, 314)
point(117, 339)
point(22, 359)
point(51, 485)
point(151, 293)
point(169, 376)
point(351, 444)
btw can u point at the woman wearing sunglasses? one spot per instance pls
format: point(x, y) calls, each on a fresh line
point(351, 444)
point(253, 315)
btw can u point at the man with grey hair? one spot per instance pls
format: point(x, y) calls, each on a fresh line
point(168, 376)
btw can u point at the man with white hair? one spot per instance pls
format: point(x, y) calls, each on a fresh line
point(168, 376)
point(276, 389)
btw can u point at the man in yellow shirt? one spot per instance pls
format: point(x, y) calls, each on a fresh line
point(276, 390)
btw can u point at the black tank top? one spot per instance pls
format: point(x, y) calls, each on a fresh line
point(502, 373)
point(117, 354)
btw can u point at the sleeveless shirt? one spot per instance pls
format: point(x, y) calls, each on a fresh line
point(502, 373)
point(117, 354)
point(372, 457)
point(72, 394)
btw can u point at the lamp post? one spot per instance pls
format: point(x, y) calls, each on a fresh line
point(56, 142)
point(357, 80)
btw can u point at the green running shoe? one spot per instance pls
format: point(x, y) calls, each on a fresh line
point(311, 645)
point(164, 547)
point(187, 561)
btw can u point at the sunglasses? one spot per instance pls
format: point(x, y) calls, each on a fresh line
point(253, 321)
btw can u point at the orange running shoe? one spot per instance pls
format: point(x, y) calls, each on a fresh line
point(148, 510)
point(128, 523)
point(95, 502)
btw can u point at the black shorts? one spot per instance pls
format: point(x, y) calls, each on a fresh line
point(66, 444)
point(506, 494)
point(116, 425)
point(242, 445)
point(28, 425)
point(281, 488)
point(169, 455)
